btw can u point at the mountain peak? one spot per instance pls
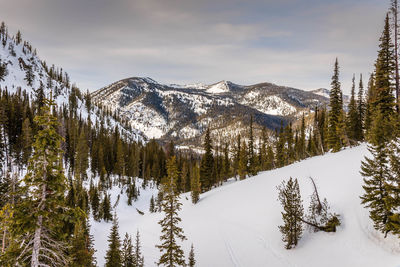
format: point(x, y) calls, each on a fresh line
point(219, 88)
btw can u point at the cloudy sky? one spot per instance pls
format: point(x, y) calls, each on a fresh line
point(288, 42)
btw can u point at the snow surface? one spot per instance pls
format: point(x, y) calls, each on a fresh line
point(237, 224)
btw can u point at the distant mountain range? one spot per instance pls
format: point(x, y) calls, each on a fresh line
point(183, 112)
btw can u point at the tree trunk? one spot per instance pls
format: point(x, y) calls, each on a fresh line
point(38, 231)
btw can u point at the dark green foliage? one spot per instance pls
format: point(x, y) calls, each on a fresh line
point(381, 185)
point(353, 117)
point(252, 158)
point(42, 212)
point(195, 185)
point(138, 259)
point(3, 71)
point(113, 255)
point(207, 176)
point(172, 253)
point(82, 251)
point(335, 123)
point(243, 162)
point(106, 208)
point(152, 205)
point(191, 259)
point(289, 196)
point(127, 252)
point(375, 172)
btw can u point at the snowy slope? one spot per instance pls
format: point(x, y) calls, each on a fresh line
point(18, 58)
point(237, 224)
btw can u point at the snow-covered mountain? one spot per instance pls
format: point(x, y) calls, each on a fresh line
point(171, 111)
point(25, 71)
point(241, 219)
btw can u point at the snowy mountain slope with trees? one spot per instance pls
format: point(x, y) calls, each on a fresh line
point(241, 220)
point(169, 111)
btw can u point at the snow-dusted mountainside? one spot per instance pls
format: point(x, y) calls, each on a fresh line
point(184, 111)
point(21, 60)
point(237, 224)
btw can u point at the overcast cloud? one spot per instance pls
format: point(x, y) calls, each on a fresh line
point(288, 42)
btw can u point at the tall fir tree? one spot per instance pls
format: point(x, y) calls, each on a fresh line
point(40, 214)
point(172, 253)
point(113, 255)
point(336, 111)
point(207, 176)
point(361, 111)
point(195, 185)
point(382, 99)
point(353, 117)
point(127, 252)
point(191, 259)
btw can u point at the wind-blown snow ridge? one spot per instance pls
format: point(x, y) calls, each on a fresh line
point(237, 224)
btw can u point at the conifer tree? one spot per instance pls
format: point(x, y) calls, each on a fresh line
point(243, 162)
point(138, 259)
point(382, 99)
point(252, 168)
point(106, 208)
point(336, 111)
point(172, 253)
point(40, 214)
point(289, 196)
point(195, 185)
point(127, 252)
point(361, 111)
point(353, 116)
point(81, 157)
point(152, 205)
point(191, 259)
point(207, 176)
point(82, 251)
point(113, 255)
point(375, 172)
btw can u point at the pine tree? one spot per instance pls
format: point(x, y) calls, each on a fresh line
point(289, 196)
point(82, 252)
point(152, 205)
point(336, 111)
point(106, 208)
point(353, 116)
point(3, 71)
point(113, 255)
point(302, 140)
point(81, 157)
point(29, 75)
point(195, 185)
point(127, 252)
point(138, 259)
point(207, 177)
point(382, 99)
point(191, 259)
point(376, 172)
point(393, 187)
point(40, 214)
point(361, 111)
point(253, 165)
point(172, 253)
point(243, 162)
